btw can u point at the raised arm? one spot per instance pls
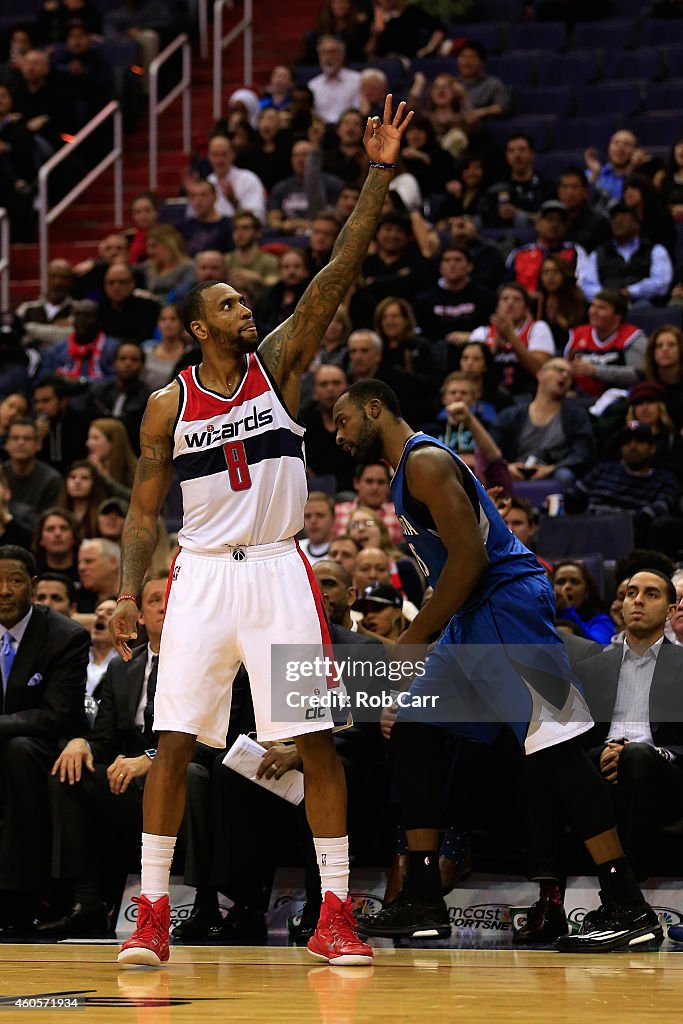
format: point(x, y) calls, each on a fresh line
point(288, 349)
point(139, 537)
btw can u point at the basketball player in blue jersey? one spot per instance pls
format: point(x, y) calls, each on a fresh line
point(240, 583)
point(498, 661)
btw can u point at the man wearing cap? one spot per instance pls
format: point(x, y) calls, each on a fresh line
point(395, 267)
point(524, 264)
point(456, 305)
point(628, 263)
point(606, 352)
point(111, 515)
point(633, 484)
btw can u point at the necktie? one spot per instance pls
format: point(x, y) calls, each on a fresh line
point(149, 706)
point(7, 656)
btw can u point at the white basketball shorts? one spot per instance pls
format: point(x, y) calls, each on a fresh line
point(227, 608)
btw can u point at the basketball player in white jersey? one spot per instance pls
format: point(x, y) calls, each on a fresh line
point(240, 583)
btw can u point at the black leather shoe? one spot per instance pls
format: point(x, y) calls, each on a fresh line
point(203, 923)
point(244, 927)
point(546, 921)
point(308, 922)
point(80, 922)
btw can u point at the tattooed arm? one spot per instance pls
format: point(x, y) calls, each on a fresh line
point(152, 481)
point(288, 350)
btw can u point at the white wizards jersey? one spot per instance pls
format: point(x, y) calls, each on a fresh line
point(240, 462)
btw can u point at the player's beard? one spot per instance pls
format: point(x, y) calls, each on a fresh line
point(240, 343)
point(369, 447)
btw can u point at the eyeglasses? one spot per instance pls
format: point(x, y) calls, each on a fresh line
point(362, 525)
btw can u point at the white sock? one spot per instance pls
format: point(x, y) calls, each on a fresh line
point(157, 854)
point(333, 861)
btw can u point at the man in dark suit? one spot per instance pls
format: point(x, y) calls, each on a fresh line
point(635, 694)
point(97, 812)
point(43, 659)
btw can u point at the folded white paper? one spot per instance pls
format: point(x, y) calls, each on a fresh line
point(244, 757)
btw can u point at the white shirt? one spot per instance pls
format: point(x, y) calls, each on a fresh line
point(540, 337)
point(248, 189)
point(316, 552)
point(142, 703)
point(96, 671)
point(631, 715)
point(333, 94)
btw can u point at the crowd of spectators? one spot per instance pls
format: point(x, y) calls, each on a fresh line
point(531, 324)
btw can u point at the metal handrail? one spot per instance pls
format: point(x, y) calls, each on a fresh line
point(220, 42)
point(157, 106)
point(203, 24)
point(114, 156)
point(4, 259)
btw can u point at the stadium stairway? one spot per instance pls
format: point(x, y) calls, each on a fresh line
point(278, 30)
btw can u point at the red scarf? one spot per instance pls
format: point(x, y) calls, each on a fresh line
point(83, 360)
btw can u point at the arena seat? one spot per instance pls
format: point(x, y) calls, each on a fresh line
point(612, 35)
point(564, 536)
point(539, 35)
point(608, 97)
point(577, 68)
point(557, 100)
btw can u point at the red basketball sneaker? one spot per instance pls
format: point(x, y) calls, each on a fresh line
point(148, 945)
point(335, 939)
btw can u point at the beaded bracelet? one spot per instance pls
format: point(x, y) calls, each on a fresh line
point(382, 167)
point(127, 597)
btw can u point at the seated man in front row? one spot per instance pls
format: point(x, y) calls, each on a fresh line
point(43, 661)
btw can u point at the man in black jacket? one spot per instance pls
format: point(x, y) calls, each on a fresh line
point(549, 437)
point(97, 812)
point(43, 659)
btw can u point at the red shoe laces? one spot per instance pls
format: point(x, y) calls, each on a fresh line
point(343, 927)
point(146, 928)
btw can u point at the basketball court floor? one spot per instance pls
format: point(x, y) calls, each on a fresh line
point(283, 985)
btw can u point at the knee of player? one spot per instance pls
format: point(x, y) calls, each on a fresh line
point(174, 751)
point(316, 748)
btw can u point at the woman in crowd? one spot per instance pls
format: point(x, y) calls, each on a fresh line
point(145, 216)
point(369, 530)
point(382, 613)
point(343, 20)
point(85, 492)
point(169, 271)
point(672, 185)
point(109, 451)
point(664, 364)
point(465, 193)
point(443, 107)
point(560, 303)
point(161, 356)
point(55, 542)
point(476, 360)
point(12, 407)
point(656, 221)
point(577, 601)
point(647, 405)
point(424, 158)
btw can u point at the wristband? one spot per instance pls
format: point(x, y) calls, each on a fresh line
point(127, 597)
point(663, 752)
point(151, 753)
point(382, 167)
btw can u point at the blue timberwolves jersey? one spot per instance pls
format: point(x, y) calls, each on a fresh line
point(508, 558)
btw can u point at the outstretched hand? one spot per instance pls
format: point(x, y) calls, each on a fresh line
point(382, 139)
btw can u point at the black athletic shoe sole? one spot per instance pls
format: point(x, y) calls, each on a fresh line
point(612, 941)
point(415, 930)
